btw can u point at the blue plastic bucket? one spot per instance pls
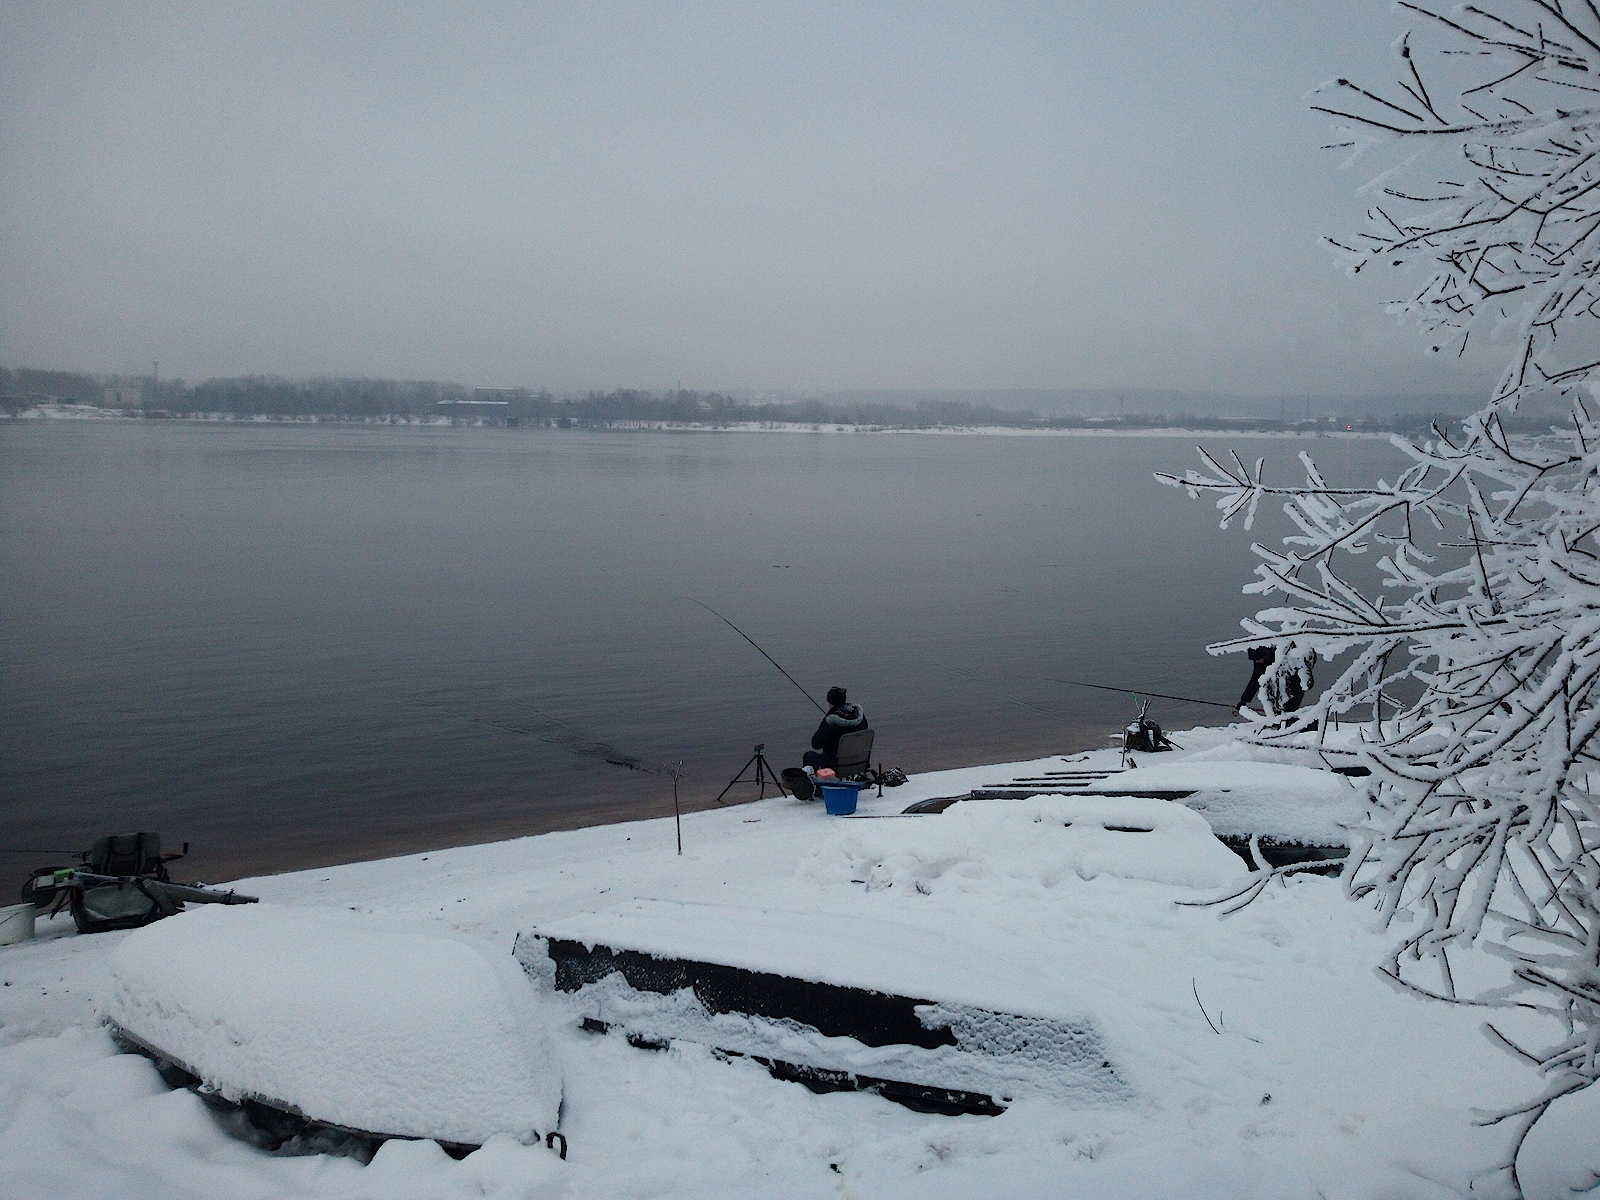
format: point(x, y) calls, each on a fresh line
point(840, 798)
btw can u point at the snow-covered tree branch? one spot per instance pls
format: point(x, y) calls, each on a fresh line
point(1461, 602)
point(1497, 202)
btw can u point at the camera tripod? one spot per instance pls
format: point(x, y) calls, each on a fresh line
point(764, 774)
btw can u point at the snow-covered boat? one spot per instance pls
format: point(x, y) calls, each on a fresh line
point(910, 1009)
point(1286, 813)
point(324, 1026)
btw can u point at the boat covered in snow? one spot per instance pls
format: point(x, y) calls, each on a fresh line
point(323, 1023)
point(1286, 812)
point(901, 1007)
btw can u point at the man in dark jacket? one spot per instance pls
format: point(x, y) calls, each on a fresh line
point(1294, 691)
point(841, 718)
point(1261, 657)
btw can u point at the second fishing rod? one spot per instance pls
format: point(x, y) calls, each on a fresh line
point(1101, 687)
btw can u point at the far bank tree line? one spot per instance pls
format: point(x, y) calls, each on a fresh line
point(376, 399)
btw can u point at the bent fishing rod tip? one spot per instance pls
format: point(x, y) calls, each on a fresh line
point(763, 653)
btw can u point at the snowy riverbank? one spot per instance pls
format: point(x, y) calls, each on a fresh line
point(1318, 1079)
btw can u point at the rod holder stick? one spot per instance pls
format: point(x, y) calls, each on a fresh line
point(675, 769)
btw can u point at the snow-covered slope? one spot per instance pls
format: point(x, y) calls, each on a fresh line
point(1262, 1054)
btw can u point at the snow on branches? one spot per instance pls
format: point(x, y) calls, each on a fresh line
point(1461, 602)
point(1498, 202)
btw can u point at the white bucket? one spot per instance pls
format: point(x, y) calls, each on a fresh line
point(16, 923)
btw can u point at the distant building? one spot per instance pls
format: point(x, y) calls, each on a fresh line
point(123, 397)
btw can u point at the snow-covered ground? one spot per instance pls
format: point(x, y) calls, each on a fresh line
point(1305, 1075)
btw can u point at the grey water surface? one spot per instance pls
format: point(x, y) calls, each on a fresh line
point(298, 645)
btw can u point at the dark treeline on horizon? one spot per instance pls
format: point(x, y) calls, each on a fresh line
point(375, 399)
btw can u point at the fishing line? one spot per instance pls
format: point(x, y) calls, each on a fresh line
point(752, 641)
point(1141, 692)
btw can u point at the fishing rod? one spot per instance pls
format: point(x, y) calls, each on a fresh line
point(1141, 692)
point(752, 641)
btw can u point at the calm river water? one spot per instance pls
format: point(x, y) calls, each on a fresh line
point(298, 645)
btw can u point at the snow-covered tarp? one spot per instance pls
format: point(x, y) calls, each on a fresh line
point(344, 1018)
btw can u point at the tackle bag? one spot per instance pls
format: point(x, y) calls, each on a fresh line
point(1146, 737)
point(103, 907)
point(108, 906)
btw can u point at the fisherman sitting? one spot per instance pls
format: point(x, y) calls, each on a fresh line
point(841, 718)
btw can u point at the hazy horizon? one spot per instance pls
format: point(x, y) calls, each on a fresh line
point(1042, 402)
point(907, 197)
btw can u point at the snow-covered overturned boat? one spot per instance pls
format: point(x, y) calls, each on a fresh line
point(640, 971)
point(905, 1008)
point(1289, 813)
point(325, 1026)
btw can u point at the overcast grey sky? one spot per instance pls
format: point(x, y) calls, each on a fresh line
point(1093, 193)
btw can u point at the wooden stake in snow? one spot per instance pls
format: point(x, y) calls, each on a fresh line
point(675, 769)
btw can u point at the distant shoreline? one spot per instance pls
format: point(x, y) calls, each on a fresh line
point(1113, 427)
